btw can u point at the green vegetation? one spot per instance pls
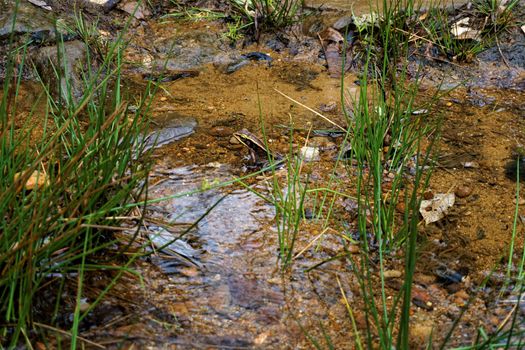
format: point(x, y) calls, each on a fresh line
point(462, 38)
point(85, 169)
point(265, 15)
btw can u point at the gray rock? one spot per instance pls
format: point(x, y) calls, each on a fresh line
point(342, 22)
point(30, 20)
point(175, 128)
point(71, 64)
point(309, 154)
point(105, 4)
point(191, 50)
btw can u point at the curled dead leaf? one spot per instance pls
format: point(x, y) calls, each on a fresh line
point(436, 208)
point(462, 31)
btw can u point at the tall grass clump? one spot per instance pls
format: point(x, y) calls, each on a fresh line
point(462, 34)
point(86, 166)
point(266, 15)
point(289, 203)
point(388, 138)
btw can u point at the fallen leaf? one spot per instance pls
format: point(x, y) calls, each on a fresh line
point(330, 34)
point(462, 31)
point(436, 208)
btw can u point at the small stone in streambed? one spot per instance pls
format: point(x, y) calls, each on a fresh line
point(220, 131)
point(470, 165)
point(462, 294)
point(420, 333)
point(309, 154)
point(428, 195)
point(392, 274)
point(308, 214)
point(401, 207)
point(463, 191)
point(328, 107)
point(511, 169)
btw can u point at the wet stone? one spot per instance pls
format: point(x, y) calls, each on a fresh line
point(30, 19)
point(463, 191)
point(221, 131)
point(74, 56)
point(174, 128)
point(343, 22)
point(392, 273)
point(138, 10)
point(309, 154)
point(105, 4)
point(191, 50)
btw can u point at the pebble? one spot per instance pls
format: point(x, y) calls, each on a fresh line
point(261, 338)
point(328, 107)
point(309, 154)
point(462, 294)
point(220, 131)
point(353, 249)
point(463, 191)
point(420, 333)
point(189, 271)
point(400, 207)
point(36, 180)
point(459, 301)
point(428, 195)
point(470, 165)
point(392, 273)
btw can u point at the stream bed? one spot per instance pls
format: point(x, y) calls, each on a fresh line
point(220, 285)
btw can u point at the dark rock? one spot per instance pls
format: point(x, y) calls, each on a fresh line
point(257, 56)
point(275, 44)
point(235, 66)
point(511, 169)
point(221, 131)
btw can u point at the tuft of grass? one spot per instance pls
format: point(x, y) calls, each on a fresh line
point(388, 138)
point(87, 167)
point(480, 26)
point(268, 15)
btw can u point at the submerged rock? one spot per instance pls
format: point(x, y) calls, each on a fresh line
point(190, 50)
point(175, 129)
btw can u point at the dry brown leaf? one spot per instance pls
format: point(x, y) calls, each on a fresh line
point(436, 208)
